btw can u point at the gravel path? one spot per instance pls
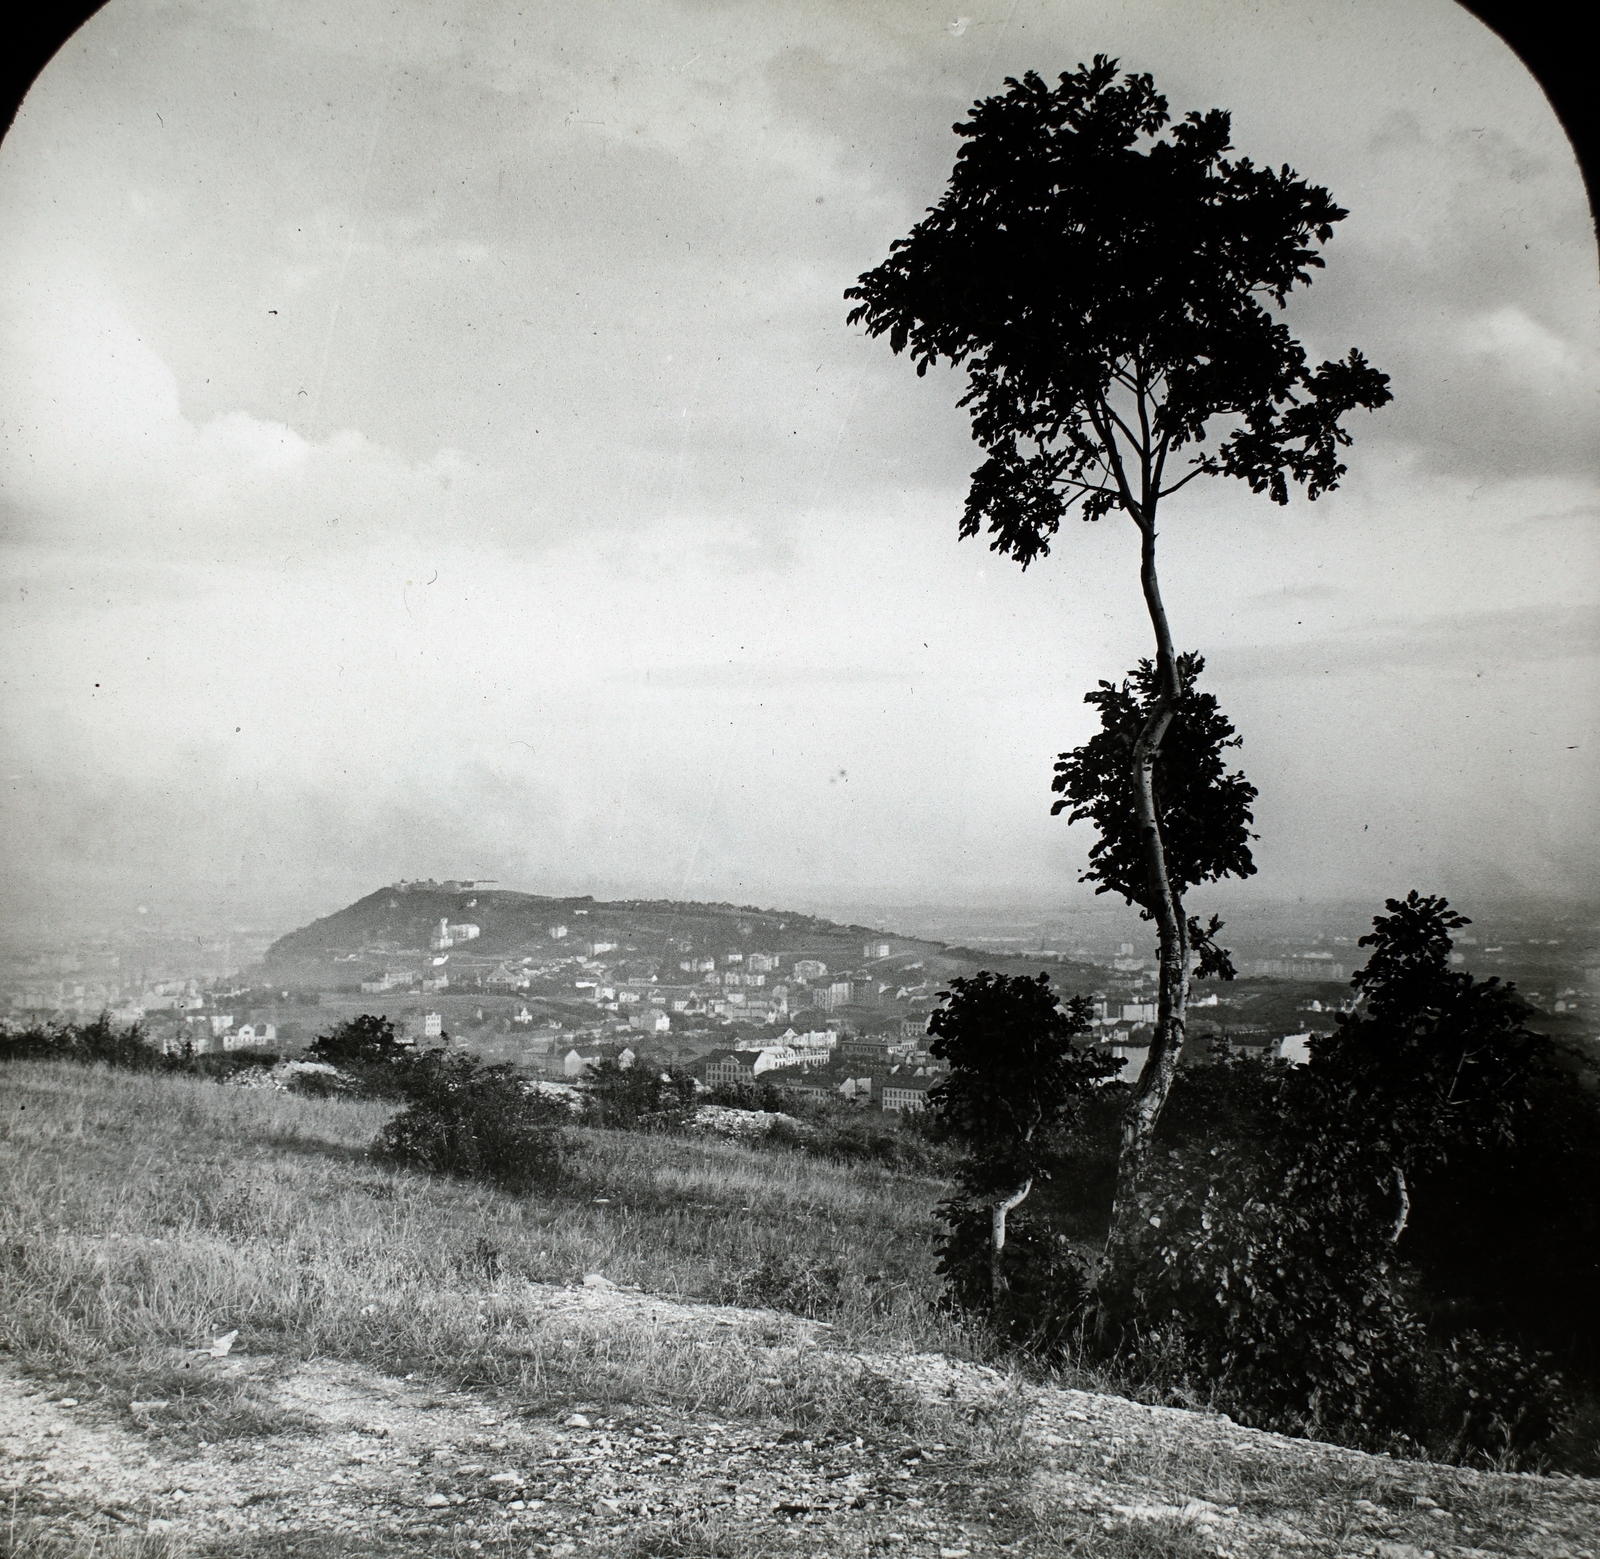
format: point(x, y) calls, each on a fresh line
point(393, 1465)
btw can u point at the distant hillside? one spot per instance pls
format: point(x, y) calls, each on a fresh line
point(397, 922)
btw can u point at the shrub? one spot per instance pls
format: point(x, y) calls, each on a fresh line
point(640, 1097)
point(1498, 1404)
point(481, 1122)
point(370, 1059)
point(89, 1043)
point(1274, 1267)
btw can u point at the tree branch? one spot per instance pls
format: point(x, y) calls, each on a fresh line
point(1405, 1206)
point(1167, 491)
point(997, 1236)
point(1108, 440)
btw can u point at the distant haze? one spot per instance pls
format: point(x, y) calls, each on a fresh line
point(432, 445)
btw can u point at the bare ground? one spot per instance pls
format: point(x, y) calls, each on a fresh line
point(319, 1457)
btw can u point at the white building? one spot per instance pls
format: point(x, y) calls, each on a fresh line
point(1295, 1049)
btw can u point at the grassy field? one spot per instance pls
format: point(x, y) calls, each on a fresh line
point(142, 1214)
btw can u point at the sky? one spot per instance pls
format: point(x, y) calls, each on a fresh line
point(431, 444)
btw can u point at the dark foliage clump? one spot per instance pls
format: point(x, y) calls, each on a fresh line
point(639, 1097)
point(1305, 1252)
point(1204, 812)
point(372, 1060)
point(101, 1043)
point(95, 1043)
point(1016, 1098)
point(1280, 1240)
point(474, 1120)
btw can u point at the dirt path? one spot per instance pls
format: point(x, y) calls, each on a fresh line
point(360, 1460)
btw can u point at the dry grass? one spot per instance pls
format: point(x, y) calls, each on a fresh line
point(142, 1215)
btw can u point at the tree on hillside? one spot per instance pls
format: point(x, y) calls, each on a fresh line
point(365, 1040)
point(1014, 1073)
point(1106, 281)
point(1203, 817)
point(1432, 1061)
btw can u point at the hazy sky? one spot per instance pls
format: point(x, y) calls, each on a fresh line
point(433, 446)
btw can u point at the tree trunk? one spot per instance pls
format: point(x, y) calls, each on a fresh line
point(1155, 1081)
point(997, 1237)
point(1403, 1217)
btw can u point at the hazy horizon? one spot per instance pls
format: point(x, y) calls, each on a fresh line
point(431, 445)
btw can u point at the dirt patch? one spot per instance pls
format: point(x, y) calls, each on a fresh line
point(342, 1455)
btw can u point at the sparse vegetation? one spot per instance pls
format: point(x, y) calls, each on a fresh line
point(142, 1213)
point(480, 1122)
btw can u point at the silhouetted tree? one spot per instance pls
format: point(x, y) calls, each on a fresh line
point(1106, 287)
point(1203, 815)
point(1014, 1073)
point(1432, 1061)
point(365, 1040)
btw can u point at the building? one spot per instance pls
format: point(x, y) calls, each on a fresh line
point(1306, 966)
point(869, 1048)
point(249, 1035)
point(810, 969)
point(432, 1025)
point(1295, 1049)
point(905, 1095)
point(727, 1068)
point(875, 950)
point(557, 933)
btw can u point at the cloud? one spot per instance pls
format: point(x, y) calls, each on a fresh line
point(1466, 643)
point(752, 678)
point(103, 463)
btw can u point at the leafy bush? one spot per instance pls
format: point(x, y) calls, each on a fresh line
point(481, 1122)
point(90, 1043)
point(371, 1060)
point(639, 1097)
point(1497, 1404)
point(1017, 1083)
point(1270, 1230)
point(1275, 1268)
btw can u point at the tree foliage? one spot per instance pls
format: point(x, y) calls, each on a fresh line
point(1432, 1062)
point(1272, 1243)
point(1204, 812)
point(366, 1040)
point(1088, 250)
point(1016, 1078)
point(474, 1120)
point(639, 1097)
point(1014, 1071)
point(1109, 281)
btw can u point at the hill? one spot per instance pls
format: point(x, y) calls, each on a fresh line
point(418, 1366)
point(399, 921)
